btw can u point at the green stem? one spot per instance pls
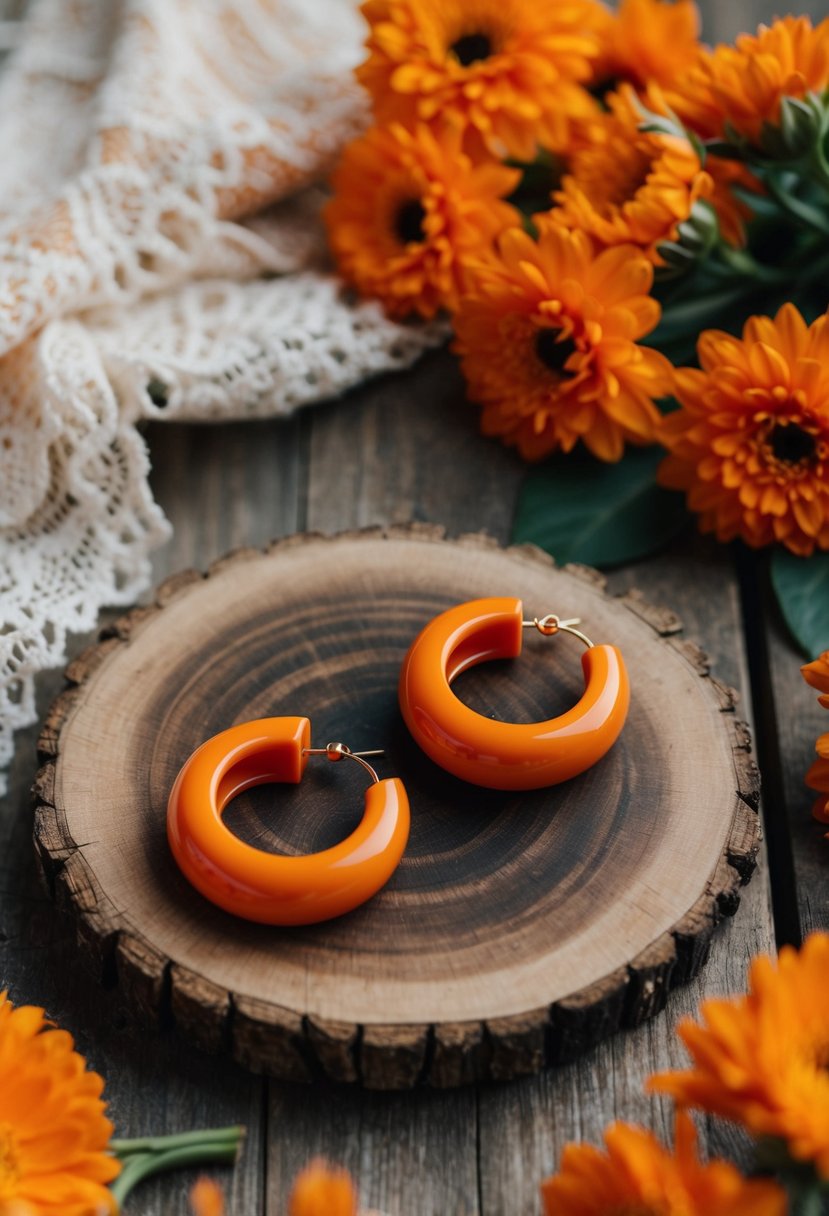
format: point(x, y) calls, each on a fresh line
point(145, 1157)
point(808, 1202)
point(679, 320)
point(818, 162)
point(806, 215)
point(744, 266)
point(156, 1144)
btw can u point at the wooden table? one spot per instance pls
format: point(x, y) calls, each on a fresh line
point(407, 448)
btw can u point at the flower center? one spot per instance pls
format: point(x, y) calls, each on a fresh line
point(552, 353)
point(408, 221)
point(608, 84)
point(470, 48)
point(791, 444)
point(610, 180)
point(9, 1167)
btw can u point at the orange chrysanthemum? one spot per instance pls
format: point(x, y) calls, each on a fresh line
point(725, 175)
point(53, 1131)
point(638, 1176)
point(207, 1198)
point(751, 443)
point(627, 186)
point(409, 210)
point(504, 72)
point(548, 337)
point(323, 1190)
point(646, 41)
point(742, 86)
point(760, 1060)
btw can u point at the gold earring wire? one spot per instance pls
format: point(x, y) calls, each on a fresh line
point(551, 624)
point(339, 751)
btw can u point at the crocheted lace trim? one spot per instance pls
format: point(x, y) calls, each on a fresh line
point(161, 255)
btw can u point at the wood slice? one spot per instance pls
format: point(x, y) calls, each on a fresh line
point(519, 929)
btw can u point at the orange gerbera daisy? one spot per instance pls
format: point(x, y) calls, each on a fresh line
point(547, 337)
point(637, 1176)
point(751, 443)
point(408, 210)
point(760, 1060)
point(741, 87)
point(323, 1190)
point(630, 187)
point(53, 1132)
point(646, 41)
point(504, 72)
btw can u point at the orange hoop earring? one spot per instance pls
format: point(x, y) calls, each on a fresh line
point(258, 886)
point(506, 755)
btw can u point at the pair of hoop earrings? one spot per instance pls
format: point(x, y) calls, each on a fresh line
point(278, 890)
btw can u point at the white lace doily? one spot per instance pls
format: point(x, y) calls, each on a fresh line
point(159, 156)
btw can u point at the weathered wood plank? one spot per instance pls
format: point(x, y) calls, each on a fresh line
point(797, 720)
point(525, 1125)
point(226, 486)
point(722, 22)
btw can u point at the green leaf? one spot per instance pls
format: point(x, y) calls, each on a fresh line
point(583, 510)
point(801, 585)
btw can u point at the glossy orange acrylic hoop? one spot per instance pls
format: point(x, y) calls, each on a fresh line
point(505, 755)
point(258, 886)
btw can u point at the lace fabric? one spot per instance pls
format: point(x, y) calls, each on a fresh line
point(161, 255)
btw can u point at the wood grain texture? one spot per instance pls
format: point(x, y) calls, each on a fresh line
point(504, 905)
point(797, 721)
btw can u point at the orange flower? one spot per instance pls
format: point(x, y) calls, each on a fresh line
point(816, 674)
point(742, 86)
point(504, 72)
point(638, 1176)
point(408, 211)
point(629, 187)
point(207, 1198)
point(817, 778)
point(724, 174)
point(547, 338)
point(646, 41)
point(760, 1060)
point(751, 443)
point(732, 211)
point(323, 1190)
point(53, 1132)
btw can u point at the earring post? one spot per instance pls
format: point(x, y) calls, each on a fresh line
point(339, 751)
point(551, 624)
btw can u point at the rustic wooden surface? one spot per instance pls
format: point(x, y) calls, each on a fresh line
point(518, 930)
point(398, 450)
